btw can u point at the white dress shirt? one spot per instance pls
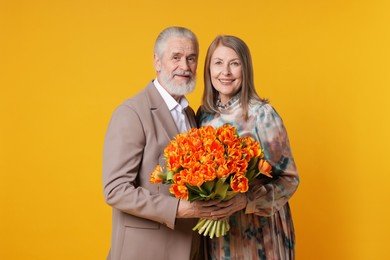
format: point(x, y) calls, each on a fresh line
point(177, 109)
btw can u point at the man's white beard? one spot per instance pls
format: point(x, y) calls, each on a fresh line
point(177, 89)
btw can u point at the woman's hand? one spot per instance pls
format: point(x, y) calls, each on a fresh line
point(229, 207)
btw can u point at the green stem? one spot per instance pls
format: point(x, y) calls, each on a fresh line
point(208, 227)
point(219, 226)
point(223, 231)
point(204, 226)
point(200, 223)
point(213, 228)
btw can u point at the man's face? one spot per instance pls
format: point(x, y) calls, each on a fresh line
point(176, 69)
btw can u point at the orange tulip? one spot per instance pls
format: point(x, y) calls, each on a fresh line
point(180, 191)
point(180, 177)
point(239, 183)
point(265, 168)
point(173, 162)
point(223, 171)
point(154, 177)
point(234, 153)
point(242, 166)
point(216, 146)
point(227, 134)
point(188, 162)
point(206, 132)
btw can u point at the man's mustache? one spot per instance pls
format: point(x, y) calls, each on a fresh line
point(182, 73)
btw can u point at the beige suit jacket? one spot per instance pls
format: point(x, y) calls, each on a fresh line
point(143, 221)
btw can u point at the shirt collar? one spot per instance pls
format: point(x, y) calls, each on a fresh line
point(168, 99)
point(229, 103)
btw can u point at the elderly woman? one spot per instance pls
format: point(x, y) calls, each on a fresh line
point(260, 220)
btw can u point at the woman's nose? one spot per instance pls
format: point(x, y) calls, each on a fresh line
point(226, 71)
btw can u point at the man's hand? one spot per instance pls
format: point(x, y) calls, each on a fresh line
point(196, 209)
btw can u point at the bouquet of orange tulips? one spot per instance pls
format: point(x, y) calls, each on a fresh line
point(207, 163)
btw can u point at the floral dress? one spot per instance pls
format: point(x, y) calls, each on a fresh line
point(264, 229)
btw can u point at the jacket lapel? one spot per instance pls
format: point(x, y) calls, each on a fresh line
point(161, 113)
point(191, 117)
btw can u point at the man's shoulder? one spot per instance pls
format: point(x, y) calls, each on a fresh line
point(140, 99)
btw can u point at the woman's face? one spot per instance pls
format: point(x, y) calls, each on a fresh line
point(225, 72)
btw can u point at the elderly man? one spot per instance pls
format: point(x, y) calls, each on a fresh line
point(150, 223)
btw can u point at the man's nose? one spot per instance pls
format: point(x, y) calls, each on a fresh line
point(184, 64)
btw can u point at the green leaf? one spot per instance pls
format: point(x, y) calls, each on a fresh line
point(229, 195)
point(221, 188)
point(170, 175)
point(194, 189)
point(162, 176)
point(208, 186)
point(203, 191)
point(253, 163)
point(193, 197)
point(207, 197)
point(193, 193)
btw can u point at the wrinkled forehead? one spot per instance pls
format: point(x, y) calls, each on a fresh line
point(180, 45)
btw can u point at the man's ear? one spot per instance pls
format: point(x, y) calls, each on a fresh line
point(157, 63)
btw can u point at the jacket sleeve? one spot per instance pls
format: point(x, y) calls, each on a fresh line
point(268, 195)
point(125, 145)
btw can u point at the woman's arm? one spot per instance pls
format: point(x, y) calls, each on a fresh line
point(268, 195)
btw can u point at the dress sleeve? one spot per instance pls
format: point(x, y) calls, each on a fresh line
point(268, 195)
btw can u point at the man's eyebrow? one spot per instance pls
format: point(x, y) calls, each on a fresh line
point(176, 53)
point(181, 54)
point(195, 55)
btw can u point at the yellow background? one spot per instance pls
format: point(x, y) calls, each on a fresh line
point(65, 66)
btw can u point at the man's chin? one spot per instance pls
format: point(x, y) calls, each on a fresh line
point(181, 90)
point(182, 81)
